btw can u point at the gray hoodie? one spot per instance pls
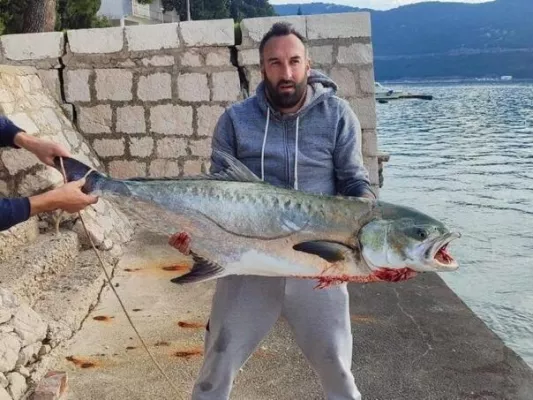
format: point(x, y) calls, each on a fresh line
point(317, 149)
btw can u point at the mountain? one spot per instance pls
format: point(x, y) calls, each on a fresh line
point(439, 40)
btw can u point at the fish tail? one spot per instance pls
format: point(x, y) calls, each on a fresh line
point(202, 270)
point(76, 170)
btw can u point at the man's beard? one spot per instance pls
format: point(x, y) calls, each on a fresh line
point(280, 99)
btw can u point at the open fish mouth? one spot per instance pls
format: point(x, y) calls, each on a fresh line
point(438, 252)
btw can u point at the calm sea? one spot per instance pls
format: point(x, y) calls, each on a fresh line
point(466, 157)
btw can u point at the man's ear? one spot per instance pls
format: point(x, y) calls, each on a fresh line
point(308, 67)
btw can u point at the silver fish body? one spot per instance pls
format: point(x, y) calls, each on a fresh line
point(239, 225)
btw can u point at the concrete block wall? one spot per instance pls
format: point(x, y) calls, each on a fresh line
point(146, 98)
point(340, 46)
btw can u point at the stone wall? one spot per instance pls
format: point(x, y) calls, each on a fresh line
point(146, 98)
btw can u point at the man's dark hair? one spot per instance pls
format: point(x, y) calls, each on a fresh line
point(279, 29)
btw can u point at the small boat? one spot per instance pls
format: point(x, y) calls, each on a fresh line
point(383, 94)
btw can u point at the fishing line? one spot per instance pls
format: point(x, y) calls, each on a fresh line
point(108, 279)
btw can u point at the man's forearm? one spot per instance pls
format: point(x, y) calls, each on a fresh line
point(43, 203)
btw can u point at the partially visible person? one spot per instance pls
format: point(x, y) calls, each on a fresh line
point(68, 197)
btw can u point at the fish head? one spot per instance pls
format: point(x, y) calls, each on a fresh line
point(402, 237)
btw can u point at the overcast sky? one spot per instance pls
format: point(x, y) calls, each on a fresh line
point(375, 4)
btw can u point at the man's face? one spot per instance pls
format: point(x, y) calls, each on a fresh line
point(285, 70)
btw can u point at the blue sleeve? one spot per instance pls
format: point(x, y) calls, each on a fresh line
point(13, 211)
point(351, 175)
point(223, 140)
point(8, 131)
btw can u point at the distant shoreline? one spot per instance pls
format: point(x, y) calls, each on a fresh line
point(453, 80)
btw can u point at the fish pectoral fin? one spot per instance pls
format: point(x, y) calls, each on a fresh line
point(329, 251)
point(202, 270)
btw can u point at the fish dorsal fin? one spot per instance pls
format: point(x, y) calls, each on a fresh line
point(233, 170)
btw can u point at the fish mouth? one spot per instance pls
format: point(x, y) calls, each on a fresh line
point(439, 255)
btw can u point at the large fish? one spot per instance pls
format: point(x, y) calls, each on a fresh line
point(238, 225)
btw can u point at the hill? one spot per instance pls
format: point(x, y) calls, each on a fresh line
point(446, 39)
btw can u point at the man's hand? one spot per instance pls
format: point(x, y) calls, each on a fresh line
point(68, 197)
point(44, 150)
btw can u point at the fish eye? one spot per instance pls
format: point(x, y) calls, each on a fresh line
point(421, 233)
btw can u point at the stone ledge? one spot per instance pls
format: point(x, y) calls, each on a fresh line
point(208, 33)
point(335, 26)
point(33, 46)
point(253, 29)
point(96, 40)
point(152, 37)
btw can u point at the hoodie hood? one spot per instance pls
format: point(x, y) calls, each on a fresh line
point(322, 88)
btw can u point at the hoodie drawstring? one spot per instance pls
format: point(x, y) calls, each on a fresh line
point(264, 143)
point(295, 150)
point(296, 156)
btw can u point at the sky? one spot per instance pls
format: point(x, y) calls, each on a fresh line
point(375, 4)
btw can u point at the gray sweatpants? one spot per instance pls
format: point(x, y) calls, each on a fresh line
point(244, 310)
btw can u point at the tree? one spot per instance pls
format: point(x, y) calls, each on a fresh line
point(79, 14)
point(39, 16)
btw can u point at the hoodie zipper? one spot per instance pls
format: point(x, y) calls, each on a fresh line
point(287, 152)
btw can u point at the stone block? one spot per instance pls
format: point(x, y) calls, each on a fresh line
point(16, 160)
point(39, 181)
point(254, 79)
point(154, 87)
point(10, 346)
point(366, 81)
point(152, 37)
point(96, 40)
point(200, 148)
point(171, 148)
point(30, 83)
point(191, 59)
point(29, 325)
point(334, 26)
point(365, 109)
point(95, 119)
point(50, 80)
point(208, 33)
point(192, 167)
point(130, 119)
point(51, 387)
point(207, 119)
point(158, 61)
point(193, 87)
point(109, 147)
point(171, 120)
point(370, 143)
point(164, 168)
point(4, 190)
point(345, 79)
point(77, 85)
point(371, 164)
point(17, 385)
point(356, 53)
point(253, 29)
point(114, 84)
point(141, 147)
point(24, 122)
point(33, 46)
point(47, 120)
point(248, 57)
point(122, 169)
point(226, 86)
point(218, 58)
point(321, 55)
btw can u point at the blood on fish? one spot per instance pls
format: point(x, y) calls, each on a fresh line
point(175, 268)
point(380, 275)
